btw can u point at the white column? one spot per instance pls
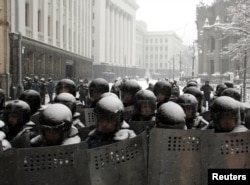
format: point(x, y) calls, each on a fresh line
point(34, 20)
point(117, 37)
point(129, 40)
point(72, 26)
point(89, 13)
point(121, 39)
point(45, 20)
point(125, 38)
point(53, 19)
point(107, 34)
point(80, 28)
point(67, 24)
point(133, 40)
point(112, 34)
point(60, 21)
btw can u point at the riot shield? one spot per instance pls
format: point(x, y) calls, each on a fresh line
point(225, 151)
point(174, 157)
point(121, 163)
point(140, 126)
point(128, 111)
point(89, 117)
point(39, 166)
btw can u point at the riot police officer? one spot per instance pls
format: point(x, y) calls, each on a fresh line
point(226, 115)
point(198, 95)
point(110, 126)
point(33, 98)
point(18, 129)
point(128, 90)
point(162, 91)
point(190, 106)
point(97, 87)
point(70, 101)
point(145, 106)
point(56, 127)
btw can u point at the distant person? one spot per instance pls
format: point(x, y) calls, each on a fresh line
point(50, 89)
point(207, 90)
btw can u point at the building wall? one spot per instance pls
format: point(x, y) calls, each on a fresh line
point(5, 45)
point(60, 23)
point(162, 54)
point(114, 36)
point(212, 54)
point(50, 38)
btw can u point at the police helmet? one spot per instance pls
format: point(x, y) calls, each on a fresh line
point(197, 93)
point(219, 89)
point(170, 115)
point(58, 118)
point(110, 108)
point(19, 108)
point(163, 87)
point(130, 86)
point(33, 98)
point(98, 85)
point(67, 99)
point(225, 106)
point(233, 93)
point(143, 97)
point(68, 84)
point(188, 102)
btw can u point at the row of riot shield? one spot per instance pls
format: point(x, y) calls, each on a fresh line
point(185, 156)
point(120, 163)
point(155, 157)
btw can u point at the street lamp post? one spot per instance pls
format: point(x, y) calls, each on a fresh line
point(244, 77)
point(173, 67)
point(193, 61)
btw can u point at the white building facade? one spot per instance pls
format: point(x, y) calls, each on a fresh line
point(54, 38)
point(158, 53)
point(114, 29)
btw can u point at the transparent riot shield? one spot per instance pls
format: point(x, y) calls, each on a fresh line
point(140, 126)
point(128, 111)
point(225, 151)
point(121, 163)
point(89, 117)
point(39, 166)
point(174, 157)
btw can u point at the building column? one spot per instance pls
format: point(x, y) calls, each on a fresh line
point(117, 37)
point(121, 38)
point(34, 20)
point(125, 39)
point(112, 34)
point(53, 24)
point(61, 24)
point(45, 20)
point(107, 52)
point(67, 25)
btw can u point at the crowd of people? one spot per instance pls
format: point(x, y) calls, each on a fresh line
point(121, 112)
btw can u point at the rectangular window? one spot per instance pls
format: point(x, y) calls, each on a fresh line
point(27, 15)
point(39, 21)
point(49, 32)
point(57, 30)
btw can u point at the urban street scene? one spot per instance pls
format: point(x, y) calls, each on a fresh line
point(124, 92)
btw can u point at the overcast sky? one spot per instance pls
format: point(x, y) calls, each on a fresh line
point(170, 15)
